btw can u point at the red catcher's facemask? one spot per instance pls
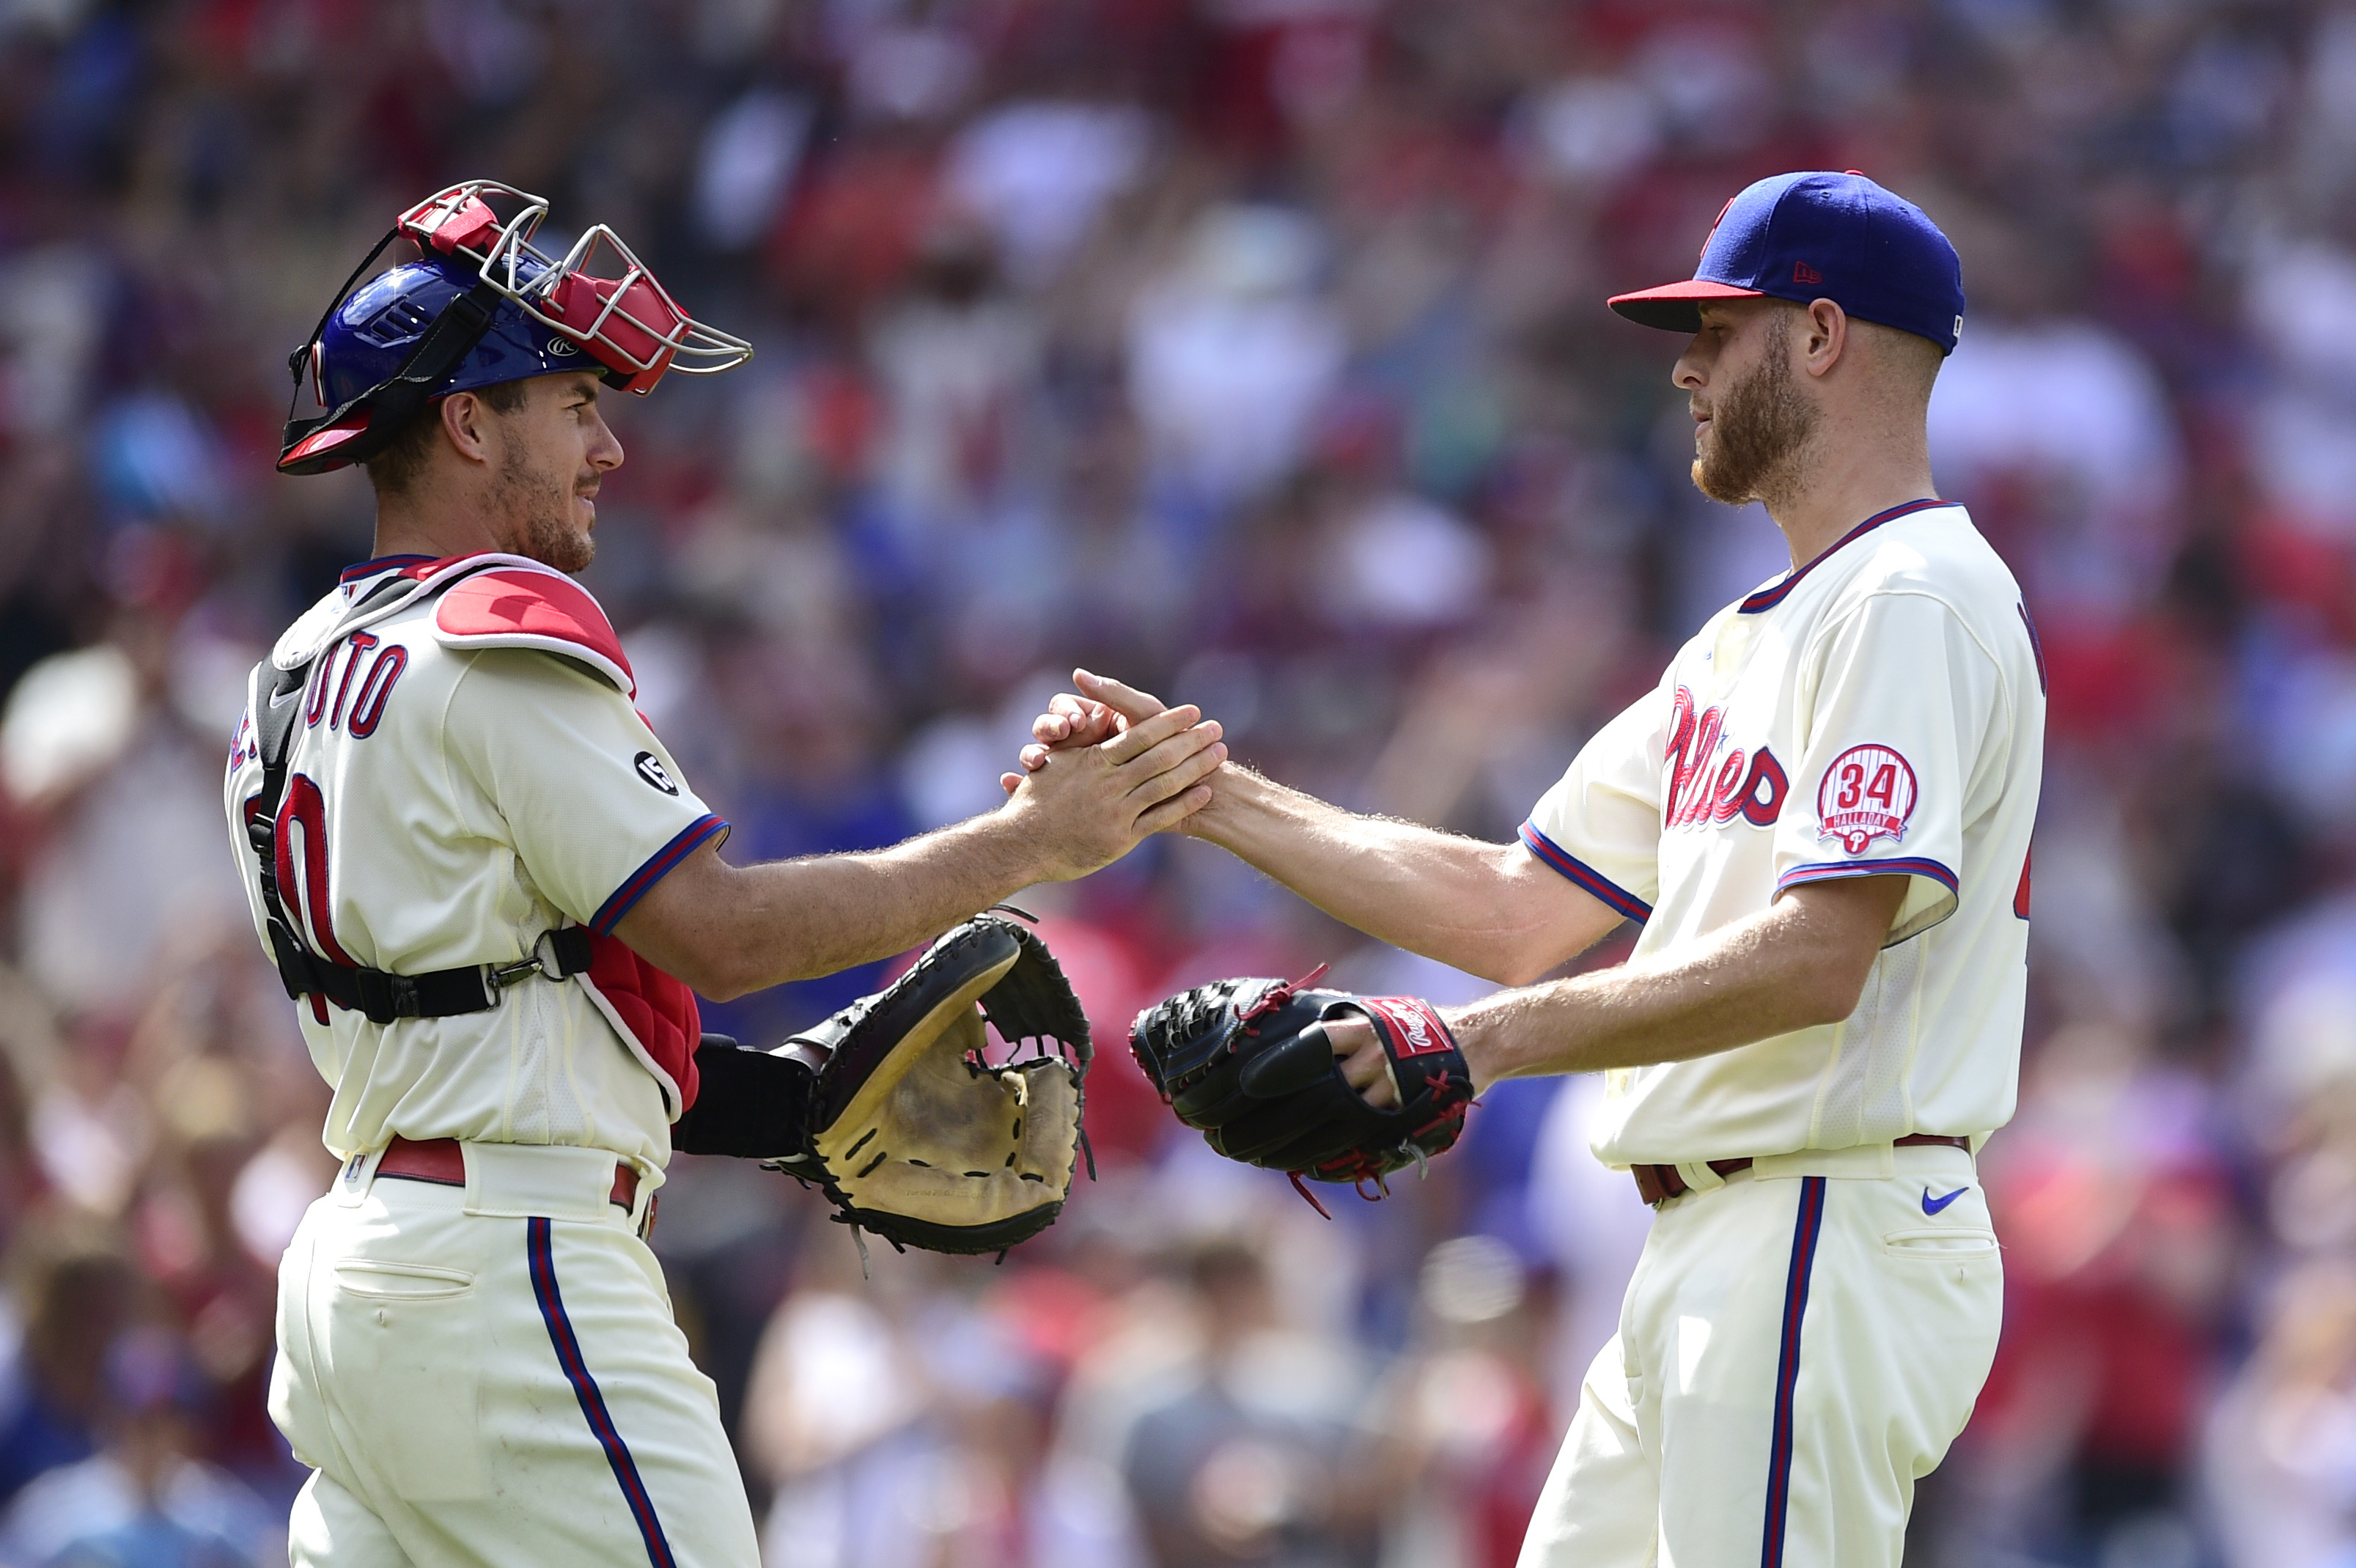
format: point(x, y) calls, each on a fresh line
point(598, 294)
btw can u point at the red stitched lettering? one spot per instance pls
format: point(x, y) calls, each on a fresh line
point(1763, 790)
point(361, 643)
point(315, 700)
point(1704, 789)
point(367, 709)
point(1726, 796)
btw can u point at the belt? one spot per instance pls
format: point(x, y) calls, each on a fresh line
point(442, 1161)
point(1657, 1184)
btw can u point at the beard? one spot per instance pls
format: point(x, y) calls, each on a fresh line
point(1757, 428)
point(544, 507)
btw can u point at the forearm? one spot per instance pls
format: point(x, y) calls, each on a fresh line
point(1801, 964)
point(727, 930)
point(825, 913)
point(1456, 899)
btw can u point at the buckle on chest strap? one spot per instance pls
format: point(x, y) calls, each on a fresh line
point(384, 996)
point(558, 954)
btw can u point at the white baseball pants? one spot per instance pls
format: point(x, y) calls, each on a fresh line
point(1799, 1344)
point(490, 1374)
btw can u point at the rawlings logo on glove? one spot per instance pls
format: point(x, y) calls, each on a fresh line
point(1247, 1062)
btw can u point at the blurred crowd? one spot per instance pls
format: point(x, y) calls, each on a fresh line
point(1252, 351)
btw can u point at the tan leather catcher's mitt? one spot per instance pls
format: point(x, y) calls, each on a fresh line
point(912, 1133)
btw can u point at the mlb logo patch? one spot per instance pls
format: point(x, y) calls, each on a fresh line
point(1868, 793)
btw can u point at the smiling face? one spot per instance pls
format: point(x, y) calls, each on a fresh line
point(553, 453)
point(1750, 418)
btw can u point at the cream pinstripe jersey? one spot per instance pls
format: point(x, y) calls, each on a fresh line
point(1880, 710)
point(456, 788)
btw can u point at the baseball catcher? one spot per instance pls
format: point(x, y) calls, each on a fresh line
point(1249, 1064)
point(494, 897)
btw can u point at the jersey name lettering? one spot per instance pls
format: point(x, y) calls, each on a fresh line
point(364, 712)
point(1702, 795)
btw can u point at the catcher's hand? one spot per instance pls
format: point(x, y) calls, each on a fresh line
point(1250, 1064)
point(912, 1133)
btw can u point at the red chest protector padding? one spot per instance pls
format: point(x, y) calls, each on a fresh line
point(656, 1014)
point(528, 606)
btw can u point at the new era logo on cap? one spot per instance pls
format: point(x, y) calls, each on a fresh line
point(1818, 235)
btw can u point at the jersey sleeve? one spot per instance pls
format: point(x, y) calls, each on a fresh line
point(588, 797)
point(1895, 700)
point(1600, 825)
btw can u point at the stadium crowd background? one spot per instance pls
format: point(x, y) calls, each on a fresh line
point(1253, 350)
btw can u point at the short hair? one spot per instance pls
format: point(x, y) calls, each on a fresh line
point(395, 469)
point(1909, 359)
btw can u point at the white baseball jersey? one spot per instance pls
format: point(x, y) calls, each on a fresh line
point(468, 773)
point(1880, 710)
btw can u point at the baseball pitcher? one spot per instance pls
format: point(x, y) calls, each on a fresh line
point(1821, 817)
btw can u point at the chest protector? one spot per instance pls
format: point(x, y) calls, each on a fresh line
point(488, 601)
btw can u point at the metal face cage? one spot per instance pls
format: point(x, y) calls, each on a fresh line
point(598, 294)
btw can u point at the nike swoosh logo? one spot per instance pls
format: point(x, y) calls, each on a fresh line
point(279, 699)
point(1932, 1205)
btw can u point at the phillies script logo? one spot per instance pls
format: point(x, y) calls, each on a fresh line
point(1868, 793)
point(1706, 789)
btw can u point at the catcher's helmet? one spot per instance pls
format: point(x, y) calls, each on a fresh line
point(478, 306)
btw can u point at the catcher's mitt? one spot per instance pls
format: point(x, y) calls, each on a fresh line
point(1248, 1063)
point(912, 1133)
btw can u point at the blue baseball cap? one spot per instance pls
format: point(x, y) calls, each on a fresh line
point(1815, 235)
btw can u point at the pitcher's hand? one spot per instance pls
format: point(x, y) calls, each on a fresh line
point(1101, 709)
point(1086, 805)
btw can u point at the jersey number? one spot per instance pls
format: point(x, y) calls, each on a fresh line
point(301, 866)
point(1883, 790)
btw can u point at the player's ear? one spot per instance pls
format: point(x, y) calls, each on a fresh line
point(466, 421)
point(1824, 335)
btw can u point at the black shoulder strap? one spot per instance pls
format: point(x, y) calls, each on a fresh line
point(277, 700)
point(382, 995)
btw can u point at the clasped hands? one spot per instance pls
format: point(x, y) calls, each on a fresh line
point(1103, 709)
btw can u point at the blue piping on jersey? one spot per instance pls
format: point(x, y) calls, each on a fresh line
point(1585, 876)
point(351, 575)
point(1767, 598)
point(1826, 871)
point(657, 864)
point(2036, 645)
